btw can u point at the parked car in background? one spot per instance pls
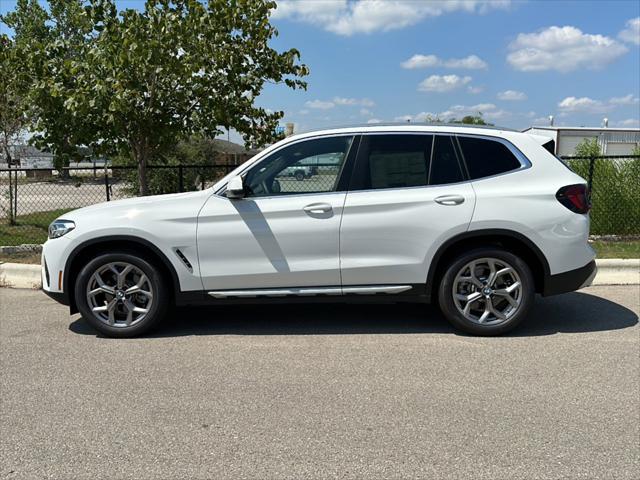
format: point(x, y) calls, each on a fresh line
point(478, 220)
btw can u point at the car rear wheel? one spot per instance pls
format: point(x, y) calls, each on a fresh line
point(121, 294)
point(486, 291)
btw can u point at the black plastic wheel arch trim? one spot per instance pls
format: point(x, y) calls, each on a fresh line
point(115, 238)
point(492, 232)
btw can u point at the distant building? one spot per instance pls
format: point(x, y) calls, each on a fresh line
point(612, 141)
point(28, 156)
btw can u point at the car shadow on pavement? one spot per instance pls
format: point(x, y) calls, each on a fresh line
point(570, 313)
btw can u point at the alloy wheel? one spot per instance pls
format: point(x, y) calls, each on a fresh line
point(487, 291)
point(119, 294)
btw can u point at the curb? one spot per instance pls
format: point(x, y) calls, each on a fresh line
point(610, 272)
point(616, 271)
point(20, 275)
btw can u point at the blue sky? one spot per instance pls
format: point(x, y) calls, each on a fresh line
point(517, 62)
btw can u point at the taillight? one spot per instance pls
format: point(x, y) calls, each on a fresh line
point(575, 197)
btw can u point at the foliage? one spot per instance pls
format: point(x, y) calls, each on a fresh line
point(154, 76)
point(49, 42)
point(588, 147)
point(193, 151)
point(615, 207)
point(636, 151)
point(13, 105)
point(471, 120)
point(135, 82)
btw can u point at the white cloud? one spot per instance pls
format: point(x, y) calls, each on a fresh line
point(631, 33)
point(582, 104)
point(475, 90)
point(512, 95)
point(363, 102)
point(374, 120)
point(367, 16)
point(563, 49)
point(319, 104)
point(443, 83)
point(541, 121)
point(472, 62)
point(626, 100)
point(365, 112)
point(489, 112)
point(418, 117)
point(304, 111)
point(629, 122)
point(589, 105)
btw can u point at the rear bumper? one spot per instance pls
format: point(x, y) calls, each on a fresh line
point(570, 281)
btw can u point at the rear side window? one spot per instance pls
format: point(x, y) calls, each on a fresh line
point(396, 161)
point(485, 158)
point(445, 167)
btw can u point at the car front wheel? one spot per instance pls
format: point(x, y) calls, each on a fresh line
point(486, 291)
point(121, 294)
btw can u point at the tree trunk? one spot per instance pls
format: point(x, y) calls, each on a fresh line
point(7, 155)
point(143, 188)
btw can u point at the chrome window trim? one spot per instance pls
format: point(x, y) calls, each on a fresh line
point(525, 163)
point(244, 171)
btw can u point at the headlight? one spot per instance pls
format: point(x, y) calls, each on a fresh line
point(60, 227)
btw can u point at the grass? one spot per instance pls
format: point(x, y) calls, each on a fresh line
point(617, 249)
point(30, 228)
point(22, 257)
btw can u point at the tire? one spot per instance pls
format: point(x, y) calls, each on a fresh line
point(110, 301)
point(472, 305)
point(299, 175)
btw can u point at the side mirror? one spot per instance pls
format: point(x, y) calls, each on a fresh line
point(235, 188)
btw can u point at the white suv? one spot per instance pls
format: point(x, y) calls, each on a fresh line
point(476, 219)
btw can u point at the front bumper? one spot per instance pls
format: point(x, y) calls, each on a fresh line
point(59, 297)
point(570, 281)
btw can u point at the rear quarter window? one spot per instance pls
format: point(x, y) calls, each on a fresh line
point(485, 157)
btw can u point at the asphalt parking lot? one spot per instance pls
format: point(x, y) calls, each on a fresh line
point(323, 391)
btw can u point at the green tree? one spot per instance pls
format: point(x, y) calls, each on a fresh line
point(177, 68)
point(14, 116)
point(471, 120)
point(13, 107)
point(588, 147)
point(49, 42)
point(136, 82)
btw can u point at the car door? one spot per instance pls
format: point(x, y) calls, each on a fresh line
point(284, 233)
point(408, 194)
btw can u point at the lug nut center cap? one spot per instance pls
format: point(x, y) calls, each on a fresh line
point(486, 291)
point(120, 295)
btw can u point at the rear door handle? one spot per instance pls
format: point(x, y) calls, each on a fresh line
point(450, 199)
point(317, 208)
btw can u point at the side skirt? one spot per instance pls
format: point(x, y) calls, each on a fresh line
point(334, 294)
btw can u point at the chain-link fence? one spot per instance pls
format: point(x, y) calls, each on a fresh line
point(614, 182)
point(31, 198)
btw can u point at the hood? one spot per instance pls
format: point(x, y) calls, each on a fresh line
point(137, 205)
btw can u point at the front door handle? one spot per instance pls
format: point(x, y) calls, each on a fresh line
point(450, 199)
point(318, 208)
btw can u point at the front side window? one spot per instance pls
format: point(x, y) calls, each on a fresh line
point(485, 158)
point(311, 166)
